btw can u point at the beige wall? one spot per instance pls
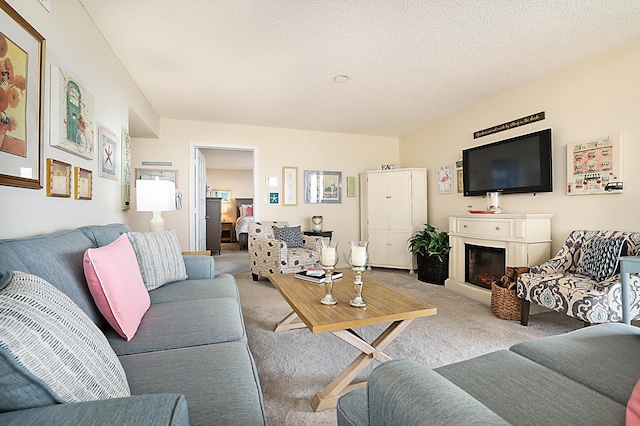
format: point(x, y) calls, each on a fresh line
point(598, 97)
point(239, 182)
point(77, 47)
point(273, 148)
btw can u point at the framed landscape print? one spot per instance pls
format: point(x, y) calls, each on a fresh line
point(225, 194)
point(72, 125)
point(322, 187)
point(22, 81)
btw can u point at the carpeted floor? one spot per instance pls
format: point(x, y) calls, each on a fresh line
point(294, 365)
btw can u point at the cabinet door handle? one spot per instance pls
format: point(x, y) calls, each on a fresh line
point(464, 226)
point(206, 217)
point(497, 228)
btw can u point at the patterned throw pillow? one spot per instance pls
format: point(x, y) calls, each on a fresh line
point(292, 235)
point(600, 257)
point(50, 351)
point(159, 257)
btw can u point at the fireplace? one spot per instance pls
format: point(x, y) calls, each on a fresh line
point(483, 265)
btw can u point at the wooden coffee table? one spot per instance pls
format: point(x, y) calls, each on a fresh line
point(384, 304)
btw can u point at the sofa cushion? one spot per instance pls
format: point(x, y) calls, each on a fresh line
point(224, 285)
point(185, 323)
point(292, 235)
point(600, 257)
point(159, 257)
point(57, 258)
point(220, 382)
point(103, 235)
point(50, 351)
point(504, 382)
point(115, 282)
point(603, 357)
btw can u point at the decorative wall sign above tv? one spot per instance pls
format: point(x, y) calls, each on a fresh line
point(509, 125)
point(595, 167)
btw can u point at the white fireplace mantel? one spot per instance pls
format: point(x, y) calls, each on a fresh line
point(526, 239)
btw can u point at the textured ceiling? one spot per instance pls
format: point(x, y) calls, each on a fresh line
point(273, 63)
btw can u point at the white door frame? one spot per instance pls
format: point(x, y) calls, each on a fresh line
point(193, 169)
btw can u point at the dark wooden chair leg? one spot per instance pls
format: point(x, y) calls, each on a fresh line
point(524, 312)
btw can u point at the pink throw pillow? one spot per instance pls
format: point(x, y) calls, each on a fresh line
point(116, 285)
point(249, 211)
point(633, 407)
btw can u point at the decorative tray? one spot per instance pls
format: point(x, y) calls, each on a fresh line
point(481, 211)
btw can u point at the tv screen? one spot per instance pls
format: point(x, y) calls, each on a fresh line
point(520, 164)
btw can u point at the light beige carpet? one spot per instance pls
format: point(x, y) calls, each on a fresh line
point(294, 365)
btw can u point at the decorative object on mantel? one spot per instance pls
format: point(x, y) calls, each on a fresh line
point(493, 202)
point(444, 177)
point(317, 223)
point(431, 248)
point(504, 302)
point(595, 167)
point(510, 125)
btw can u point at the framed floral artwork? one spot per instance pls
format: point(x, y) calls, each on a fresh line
point(83, 184)
point(72, 125)
point(108, 154)
point(22, 58)
point(59, 178)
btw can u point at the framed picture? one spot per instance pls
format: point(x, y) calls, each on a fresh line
point(271, 181)
point(351, 186)
point(72, 125)
point(444, 177)
point(289, 186)
point(460, 181)
point(143, 174)
point(59, 182)
point(108, 154)
point(225, 194)
point(595, 166)
point(274, 197)
point(322, 187)
point(83, 184)
point(125, 168)
point(21, 129)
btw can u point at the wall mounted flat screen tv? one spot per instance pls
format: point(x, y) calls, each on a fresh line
point(516, 165)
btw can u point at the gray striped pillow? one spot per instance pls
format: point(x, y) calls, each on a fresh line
point(159, 257)
point(50, 351)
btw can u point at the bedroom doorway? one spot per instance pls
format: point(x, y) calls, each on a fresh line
point(219, 171)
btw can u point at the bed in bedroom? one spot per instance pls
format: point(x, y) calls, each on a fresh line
point(244, 207)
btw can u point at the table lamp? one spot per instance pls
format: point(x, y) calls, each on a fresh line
point(155, 196)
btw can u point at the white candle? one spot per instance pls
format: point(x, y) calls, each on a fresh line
point(329, 256)
point(358, 256)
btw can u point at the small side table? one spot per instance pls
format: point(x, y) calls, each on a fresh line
point(319, 234)
point(628, 265)
point(226, 232)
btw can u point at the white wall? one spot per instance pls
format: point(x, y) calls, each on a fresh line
point(273, 148)
point(597, 97)
point(239, 182)
point(75, 45)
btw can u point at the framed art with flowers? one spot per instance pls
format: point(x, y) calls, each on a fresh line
point(22, 51)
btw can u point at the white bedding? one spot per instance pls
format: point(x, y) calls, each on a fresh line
point(242, 225)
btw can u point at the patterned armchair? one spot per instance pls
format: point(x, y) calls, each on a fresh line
point(583, 279)
point(269, 255)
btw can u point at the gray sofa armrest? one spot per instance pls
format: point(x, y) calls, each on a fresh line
point(157, 409)
point(404, 392)
point(200, 267)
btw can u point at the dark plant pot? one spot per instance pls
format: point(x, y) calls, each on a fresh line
point(432, 270)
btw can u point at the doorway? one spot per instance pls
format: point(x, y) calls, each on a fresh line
point(233, 168)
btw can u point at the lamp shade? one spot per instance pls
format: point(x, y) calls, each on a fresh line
point(155, 195)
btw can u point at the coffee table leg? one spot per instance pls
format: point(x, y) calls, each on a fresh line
point(328, 398)
point(289, 322)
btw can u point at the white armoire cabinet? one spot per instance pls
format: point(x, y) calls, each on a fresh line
point(393, 207)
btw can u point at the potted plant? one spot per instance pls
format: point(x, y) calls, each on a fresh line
point(431, 248)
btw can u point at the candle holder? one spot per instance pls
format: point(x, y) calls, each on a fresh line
point(358, 258)
point(329, 259)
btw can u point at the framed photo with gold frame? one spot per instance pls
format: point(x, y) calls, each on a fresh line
point(23, 81)
point(59, 178)
point(82, 184)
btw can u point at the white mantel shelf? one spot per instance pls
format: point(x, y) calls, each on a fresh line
point(526, 239)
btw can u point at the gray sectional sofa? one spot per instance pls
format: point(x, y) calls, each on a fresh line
point(584, 377)
point(188, 363)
